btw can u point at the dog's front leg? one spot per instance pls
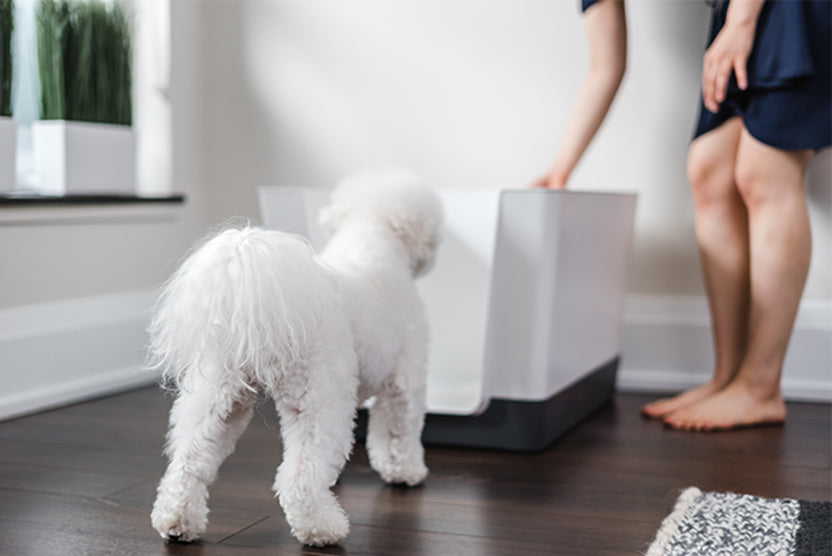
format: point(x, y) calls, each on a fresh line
point(205, 422)
point(396, 419)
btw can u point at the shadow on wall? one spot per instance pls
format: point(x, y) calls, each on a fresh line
point(819, 194)
point(678, 33)
point(267, 100)
point(819, 186)
point(644, 142)
point(236, 138)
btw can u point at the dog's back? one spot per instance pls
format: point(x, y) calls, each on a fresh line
point(248, 300)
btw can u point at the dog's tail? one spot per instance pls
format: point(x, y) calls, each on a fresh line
point(245, 304)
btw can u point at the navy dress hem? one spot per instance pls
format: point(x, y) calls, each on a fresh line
point(586, 4)
point(788, 102)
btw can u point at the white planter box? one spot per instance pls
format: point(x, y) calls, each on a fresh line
point(8, 152)
point(525, 305)
point(82, 157)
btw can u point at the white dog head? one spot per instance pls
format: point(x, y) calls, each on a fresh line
point(401, 201)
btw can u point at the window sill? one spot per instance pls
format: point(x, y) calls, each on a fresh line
point(28, 208)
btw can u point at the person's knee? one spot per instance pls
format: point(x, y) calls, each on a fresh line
point(710, 178)
point(766, 181)
point(751, 177)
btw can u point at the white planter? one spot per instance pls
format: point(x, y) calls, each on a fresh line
point(8, 153)
point(82, 157)
point(525, 304)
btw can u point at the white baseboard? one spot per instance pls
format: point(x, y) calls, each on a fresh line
point(71, 391)
point(57, 353)
point(61, 352)
point(667, 347)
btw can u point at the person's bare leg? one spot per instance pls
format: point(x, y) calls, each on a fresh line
point(771, 183)
point(722, 234)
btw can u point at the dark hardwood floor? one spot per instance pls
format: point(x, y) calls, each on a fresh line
point(81, 480)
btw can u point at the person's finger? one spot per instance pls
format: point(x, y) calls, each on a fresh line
point(740, 69)
point(721, 81)
point(555, 183)
point(707, 82)
point(710, 92)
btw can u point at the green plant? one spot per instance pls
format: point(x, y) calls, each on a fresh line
point(84, 61)
point(6, 28)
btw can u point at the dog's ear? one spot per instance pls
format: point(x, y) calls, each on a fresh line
point(419, 228)
point(331, 217)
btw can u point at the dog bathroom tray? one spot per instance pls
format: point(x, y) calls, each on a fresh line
point(525, 306)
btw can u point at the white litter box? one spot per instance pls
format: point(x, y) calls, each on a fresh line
point(525, 306)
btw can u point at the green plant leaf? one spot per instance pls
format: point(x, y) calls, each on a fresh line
point(84, 61)
point(6, 29)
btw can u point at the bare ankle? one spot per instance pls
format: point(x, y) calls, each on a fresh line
point(715, 385)
point(761, 388)
point(722, 378)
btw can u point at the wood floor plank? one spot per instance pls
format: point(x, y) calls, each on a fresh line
point(390, 541)
point(59, 480)
point(81, 480)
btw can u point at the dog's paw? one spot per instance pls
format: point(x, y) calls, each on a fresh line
point(408, 473)
point(321, 523)
point(175, 535)
point(178, 522)
point(175, 528)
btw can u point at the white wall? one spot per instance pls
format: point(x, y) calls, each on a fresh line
point(476, 94)
point(471, 94)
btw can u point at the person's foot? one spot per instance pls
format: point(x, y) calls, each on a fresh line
point(733, 407)
point(666, 406)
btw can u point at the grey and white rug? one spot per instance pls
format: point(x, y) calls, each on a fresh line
point(723, 524)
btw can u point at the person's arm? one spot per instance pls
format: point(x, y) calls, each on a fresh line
point(606, 31)
point(729, 52)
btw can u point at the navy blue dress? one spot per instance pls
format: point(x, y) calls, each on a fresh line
point(587, 3)
point(788, 102)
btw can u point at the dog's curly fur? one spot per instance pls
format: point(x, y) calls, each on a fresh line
point(254, 310)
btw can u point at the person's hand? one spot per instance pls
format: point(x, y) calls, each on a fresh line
point(553, 180)
point(729, 52)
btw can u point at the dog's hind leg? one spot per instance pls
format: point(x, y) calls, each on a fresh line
point(316, 405)
point(396, 419)
point(205, 422)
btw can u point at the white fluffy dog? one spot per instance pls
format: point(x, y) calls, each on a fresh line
point(256, 310)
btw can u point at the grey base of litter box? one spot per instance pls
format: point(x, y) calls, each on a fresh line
point(520, 425)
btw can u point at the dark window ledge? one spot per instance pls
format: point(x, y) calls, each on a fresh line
point(27, 199)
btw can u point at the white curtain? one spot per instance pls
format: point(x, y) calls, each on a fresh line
point(25, 88)
point(152, 117)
